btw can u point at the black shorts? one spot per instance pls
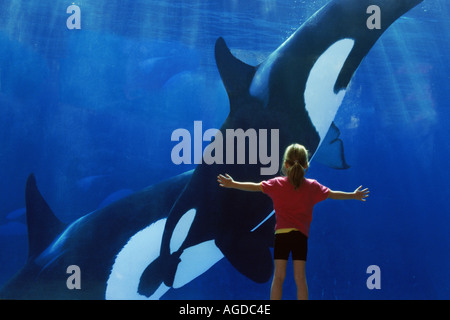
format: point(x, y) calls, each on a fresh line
point(293, 241)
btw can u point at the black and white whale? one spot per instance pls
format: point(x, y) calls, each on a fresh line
point(297, 90)
point(166, 235)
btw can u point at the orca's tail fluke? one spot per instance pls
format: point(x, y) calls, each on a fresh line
point(158, 272)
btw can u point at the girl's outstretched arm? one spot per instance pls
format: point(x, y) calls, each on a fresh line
point(358, 194)
point(227, 181)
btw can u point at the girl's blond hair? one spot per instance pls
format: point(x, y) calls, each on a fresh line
point(297, 159)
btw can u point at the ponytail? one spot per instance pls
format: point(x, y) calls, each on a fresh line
point(295, 163)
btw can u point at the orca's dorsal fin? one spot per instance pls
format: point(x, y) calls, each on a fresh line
point(236, 75)
point(43, 225)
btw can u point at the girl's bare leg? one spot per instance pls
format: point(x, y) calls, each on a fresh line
point(300, 279)
point(276, 291)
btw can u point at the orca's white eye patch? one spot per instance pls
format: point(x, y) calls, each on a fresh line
point(195, 261)
point(140, 251)
point(321, 102)
point(181, 230)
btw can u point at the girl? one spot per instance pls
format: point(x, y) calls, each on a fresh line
point(293, 198)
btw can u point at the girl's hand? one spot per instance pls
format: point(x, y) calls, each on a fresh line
point(225, 181)
point(361, 194)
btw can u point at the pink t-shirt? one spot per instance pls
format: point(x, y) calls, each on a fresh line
point(294, 208)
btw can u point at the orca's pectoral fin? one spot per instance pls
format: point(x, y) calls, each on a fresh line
point(331, 151)
point(158, 272)
point(248, 254)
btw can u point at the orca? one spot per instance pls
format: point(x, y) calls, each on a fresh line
point(91, 242)
point(168, 234)
point(298, 90)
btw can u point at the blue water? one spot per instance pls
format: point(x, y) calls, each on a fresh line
point(91, 113)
